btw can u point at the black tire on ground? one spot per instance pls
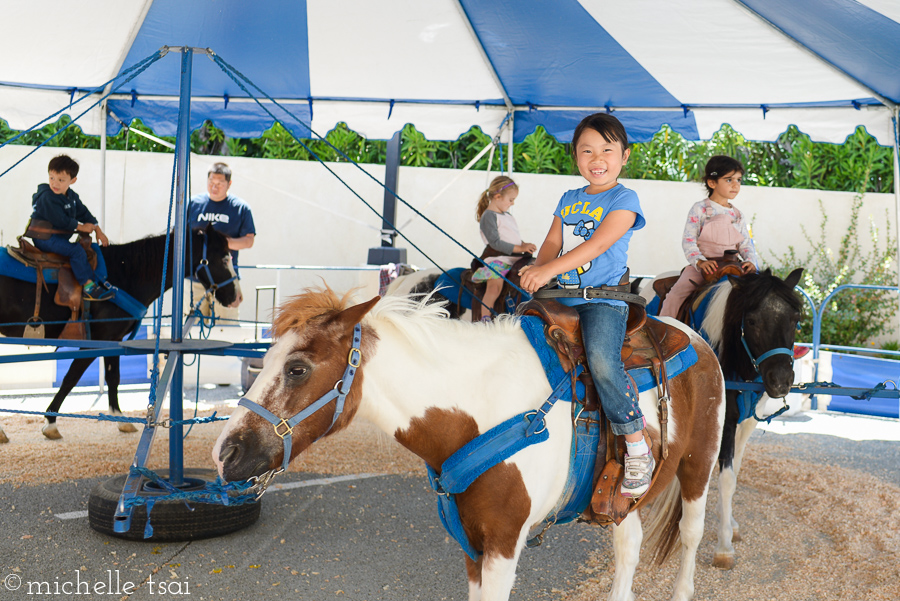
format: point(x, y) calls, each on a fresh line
point(171, 520)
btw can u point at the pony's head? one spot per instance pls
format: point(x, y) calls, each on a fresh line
point(761, 315)
point(311, 350)
point(211, 264)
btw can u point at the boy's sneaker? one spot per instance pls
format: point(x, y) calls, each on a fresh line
point(92, 291)
point(638, 473)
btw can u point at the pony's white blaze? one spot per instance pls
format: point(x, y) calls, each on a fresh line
point(274, 360)
point(238, 296)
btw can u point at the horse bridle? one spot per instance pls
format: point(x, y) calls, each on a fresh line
point(204, 265)
point(758, 360)
point(285, 427)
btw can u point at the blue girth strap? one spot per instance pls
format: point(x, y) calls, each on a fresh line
point(285, 427)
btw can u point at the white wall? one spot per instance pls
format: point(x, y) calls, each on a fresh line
point(305, 216)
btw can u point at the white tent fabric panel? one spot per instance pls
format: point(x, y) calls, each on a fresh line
point(710, 52)
point(57, 43)
point(408, 50)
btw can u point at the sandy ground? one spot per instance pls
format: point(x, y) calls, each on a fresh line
point(810, 532)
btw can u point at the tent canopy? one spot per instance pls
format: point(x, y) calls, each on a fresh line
point(825, 66)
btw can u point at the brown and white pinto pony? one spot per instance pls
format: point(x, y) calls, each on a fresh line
point(434, 384)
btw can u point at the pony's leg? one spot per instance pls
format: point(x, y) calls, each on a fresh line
point(473, 572)
point(627, 538)
point(498, 574)
point(690, 529)
point(113, 377)
point(76, 370)
point(742, 436)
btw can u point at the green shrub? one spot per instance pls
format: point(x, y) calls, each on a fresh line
point(852, 316)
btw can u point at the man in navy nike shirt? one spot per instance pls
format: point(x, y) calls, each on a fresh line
point(229, 215)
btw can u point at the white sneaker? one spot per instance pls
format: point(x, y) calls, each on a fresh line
point(638, 473)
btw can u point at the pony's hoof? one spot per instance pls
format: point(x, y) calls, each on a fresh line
point(723, 561)
point(51, 432)
point(126, 427)
point(3, 437)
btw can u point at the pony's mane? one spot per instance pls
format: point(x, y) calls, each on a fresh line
point(416, 317)
point(715, 314)
point(312, 302)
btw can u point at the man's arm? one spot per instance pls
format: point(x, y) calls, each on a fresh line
point(241, 243)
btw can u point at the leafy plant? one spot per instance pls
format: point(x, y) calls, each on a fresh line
point(853, 316)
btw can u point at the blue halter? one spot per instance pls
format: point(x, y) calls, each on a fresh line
point(285, 427)
point(758, 360)
point(204, 266)
point(747, 399)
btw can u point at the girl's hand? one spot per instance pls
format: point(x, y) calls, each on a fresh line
point(525, 247)
point(534, 277)
point(748, 267)
point(707, 267)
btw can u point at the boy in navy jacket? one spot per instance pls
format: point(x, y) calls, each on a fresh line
point(59, 205)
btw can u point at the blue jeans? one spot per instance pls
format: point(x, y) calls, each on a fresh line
point(603, 327)
point(60, 245)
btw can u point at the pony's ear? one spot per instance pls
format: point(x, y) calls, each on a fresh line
point(794, 277)
point(767, 272)
point(354, 314)
point(735, 281)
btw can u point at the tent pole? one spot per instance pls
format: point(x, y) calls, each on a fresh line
point(895, 122)
point(179, 236)
point(510, 145)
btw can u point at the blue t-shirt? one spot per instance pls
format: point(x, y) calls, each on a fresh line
point(230, 216)
point(581, 214)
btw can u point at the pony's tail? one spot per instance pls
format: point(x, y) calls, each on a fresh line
point(661, 527)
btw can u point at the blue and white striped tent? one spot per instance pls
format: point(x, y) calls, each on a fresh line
point(826, 66)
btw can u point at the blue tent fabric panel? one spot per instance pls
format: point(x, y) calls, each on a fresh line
point(854, 371)
point(133, 368)
point(222, 25)
point(582, 64)
point(849, 35)
point(639, 125)
point(245, 119)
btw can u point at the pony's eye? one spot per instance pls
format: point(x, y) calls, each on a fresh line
point(297, 371)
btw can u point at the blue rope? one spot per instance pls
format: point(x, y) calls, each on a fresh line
point(226, 67)
point(149, 60)
point(120, 418)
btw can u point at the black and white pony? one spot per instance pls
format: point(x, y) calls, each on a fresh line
point(137, 268)
point(751, 323)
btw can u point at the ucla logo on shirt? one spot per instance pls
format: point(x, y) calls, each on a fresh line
point(583, 208)
point(213, 217)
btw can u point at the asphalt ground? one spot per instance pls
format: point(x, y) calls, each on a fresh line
point(362, 538)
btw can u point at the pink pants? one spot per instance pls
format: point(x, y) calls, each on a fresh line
point(687, 283)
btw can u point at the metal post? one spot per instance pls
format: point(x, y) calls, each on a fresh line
point(179, 234)
point(387, 253)
point(895, 121)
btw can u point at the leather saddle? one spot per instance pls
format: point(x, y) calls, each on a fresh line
point(68, 291)
point(728, 264)
point(648, 343)
point(478, 290)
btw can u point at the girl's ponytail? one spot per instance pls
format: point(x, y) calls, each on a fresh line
point(498, 185)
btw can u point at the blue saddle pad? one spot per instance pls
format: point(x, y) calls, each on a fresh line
point(643, 377)
point(11, 267)
point(448, 286)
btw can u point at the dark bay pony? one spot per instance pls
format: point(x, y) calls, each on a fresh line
point(434, 384)
point(135, 267)
point(751, 323)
